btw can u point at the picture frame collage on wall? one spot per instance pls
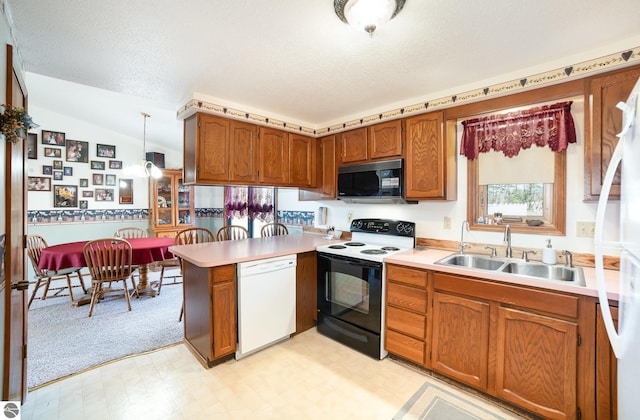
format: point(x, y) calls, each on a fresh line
point(61, 167)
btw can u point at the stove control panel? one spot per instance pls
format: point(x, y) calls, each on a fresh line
point(384, 227)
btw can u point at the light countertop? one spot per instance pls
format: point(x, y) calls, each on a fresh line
point(426, 257)
point(214, 254)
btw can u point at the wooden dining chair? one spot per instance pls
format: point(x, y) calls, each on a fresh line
point(189, 236)
point(184, 237)
point(273, 229)
point(232, 233)
point(131, 232)
point(109, 261)
point(35, 245)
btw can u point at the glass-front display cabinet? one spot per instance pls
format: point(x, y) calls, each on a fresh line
point(171, 204)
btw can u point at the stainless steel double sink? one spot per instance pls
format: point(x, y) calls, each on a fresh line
point(521, 268)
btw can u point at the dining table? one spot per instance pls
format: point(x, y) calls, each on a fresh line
point(144, 251)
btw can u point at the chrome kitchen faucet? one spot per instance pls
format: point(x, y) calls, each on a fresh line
point(507, 239)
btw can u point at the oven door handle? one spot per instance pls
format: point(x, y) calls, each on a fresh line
point(352, 261)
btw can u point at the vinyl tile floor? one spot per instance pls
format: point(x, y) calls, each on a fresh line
point(306, 377)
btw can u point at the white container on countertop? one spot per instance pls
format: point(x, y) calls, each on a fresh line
point(549, 255)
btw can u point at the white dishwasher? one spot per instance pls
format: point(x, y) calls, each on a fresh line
point(266, 303)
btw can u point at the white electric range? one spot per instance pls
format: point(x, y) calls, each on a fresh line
point(374, 239)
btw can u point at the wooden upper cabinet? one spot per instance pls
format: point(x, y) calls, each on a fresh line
point(243, 158)
point(430, 158)
point(274, 157)
point(325, 168)
point(385, 140)
point(603, 122)
point(353, 146)
point(302, 160)
point(206, 149)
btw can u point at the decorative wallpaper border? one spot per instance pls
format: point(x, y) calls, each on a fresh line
point(92, 215)
point(301, 218)
point(576, 71)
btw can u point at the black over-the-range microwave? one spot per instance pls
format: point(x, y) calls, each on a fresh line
point(375, 182)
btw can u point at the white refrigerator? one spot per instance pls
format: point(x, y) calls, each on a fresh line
point(625, 341)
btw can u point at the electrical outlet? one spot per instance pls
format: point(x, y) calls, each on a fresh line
point(446, 224)
point(349, 217)
point(585, 229)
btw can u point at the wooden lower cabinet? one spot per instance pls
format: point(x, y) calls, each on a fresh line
point(606, 369)
point(306, 291)
point(532, 348)
point(406, 313)
point(537, 362)
point(210, 312)
point(461, 339)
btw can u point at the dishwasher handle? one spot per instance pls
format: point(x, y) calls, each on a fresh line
point(258, 267)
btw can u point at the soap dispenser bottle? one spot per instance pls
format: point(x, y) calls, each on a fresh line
point(549, 255)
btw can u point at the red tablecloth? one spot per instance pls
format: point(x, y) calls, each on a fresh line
point(144, 251)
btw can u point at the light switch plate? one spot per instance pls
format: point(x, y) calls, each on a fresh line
point(585, 229)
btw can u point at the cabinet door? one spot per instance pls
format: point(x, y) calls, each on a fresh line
point(604, 121)
point(325, 172)
point(213, 149)
point(425, 157)
point(385, 140)
point(274, 157)
point(224, 318)
point(162, 201)
point(536, 365)
point(606, 370)
point(185, 213)
point(243, 147)
point(353, 146)
point(302, 158)
point(461, 339)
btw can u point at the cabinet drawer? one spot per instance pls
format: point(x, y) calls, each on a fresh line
point(404, 346)
point(406, 322)
point(407, 297)
point(410, 276)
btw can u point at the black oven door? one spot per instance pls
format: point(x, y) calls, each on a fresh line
point(351, 290)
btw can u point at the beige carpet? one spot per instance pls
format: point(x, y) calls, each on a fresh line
point(63, 340)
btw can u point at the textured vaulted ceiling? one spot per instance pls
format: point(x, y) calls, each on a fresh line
point(294, 59)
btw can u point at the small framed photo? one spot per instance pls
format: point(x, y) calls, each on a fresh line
point(106, 151)
point(57, 175)
point(68, 171)
point(104, 194)
point(97, 165)
point(84, 182)
point(52, 152)
point(57, 164)
point(77, 151)
point(115, 164)
point(39, 183)
point(98, 179)
point(47, 170)
point(110, 179)
point(32, 146)
point(65, 196)
point(84, 204)
point(52, 138)
point(87, 194)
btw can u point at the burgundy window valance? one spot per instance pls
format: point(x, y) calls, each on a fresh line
point(550, 124)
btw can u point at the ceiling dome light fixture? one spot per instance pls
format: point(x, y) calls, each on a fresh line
point(367, 15)
point(143, 168)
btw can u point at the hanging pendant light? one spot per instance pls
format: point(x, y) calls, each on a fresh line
point(143, 168)
point(367, 15)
